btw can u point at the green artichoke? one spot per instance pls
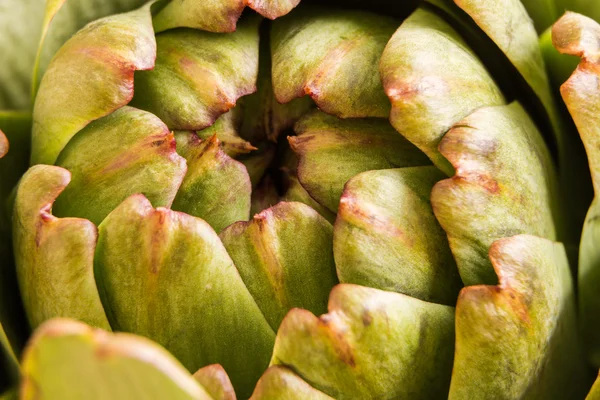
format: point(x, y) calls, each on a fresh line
point(359, 201)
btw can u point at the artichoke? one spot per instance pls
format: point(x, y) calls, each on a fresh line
point(303, 201)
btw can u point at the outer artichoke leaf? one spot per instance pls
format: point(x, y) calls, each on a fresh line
point(129, 151)
point(215, 381)
point(505, 184)
point(296, 192)
point(101, 58)
point(69, 360)
point(577, 35)
point(331, 55)
point(387, 237)
point(332, 150)
point(216, 15)
point(509, 26)
point(20, 24)
point(199, 75)
point(371, 345)
point(54, 257)
point(589, 280)
point(216, 188)
point(433, 80)
point(285, 258)
point(62, 19)
point(280, 383)
point(519, 340)
point(227, 128)
point(167, 276)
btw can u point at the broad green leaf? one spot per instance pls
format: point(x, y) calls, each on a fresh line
point(129, 151)
point(332, 150)
point(216, 15)
point(21, 27)
point(386, 236)
point(372, 344)
point(332, 56)
point(509, 26)
point(62, 19)
point(101, 58)
point(166, 275)
point(519, 340)
point(215, 381)
point(199, 75)
point(505, 184)
point(577, 35)
point(54, 256)
point(69, 360)
point(285, 257)
point(216, 188)
point(280, 383)
point(433, 80)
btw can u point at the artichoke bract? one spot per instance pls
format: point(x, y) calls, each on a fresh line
point(336, 203)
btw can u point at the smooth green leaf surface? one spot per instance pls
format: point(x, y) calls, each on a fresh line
point(386, 236)
point(332, 56)
point(166, 275)
point(216, 15)
point(129, 151)
point(371, 344)
point(285, 258)
point(104, 76)
point(54, 256)
point(69, 360)
point(577, 35)
point(199, 75)
point(519, 340)
point(505, 184)
point(216, 188)
point(62, 19)
point(433, 80)
point(21, 27)
point(280, 383)
point(331, 151)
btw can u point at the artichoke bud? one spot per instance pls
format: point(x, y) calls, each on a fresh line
point(415, 205)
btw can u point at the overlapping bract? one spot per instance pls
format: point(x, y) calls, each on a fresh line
point(416, 175)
